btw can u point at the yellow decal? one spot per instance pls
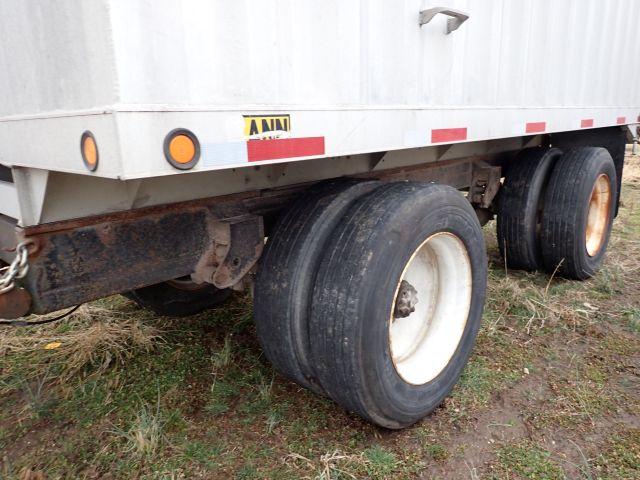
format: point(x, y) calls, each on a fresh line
point(264, 127)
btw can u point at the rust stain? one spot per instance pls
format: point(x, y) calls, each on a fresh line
point(14, 304)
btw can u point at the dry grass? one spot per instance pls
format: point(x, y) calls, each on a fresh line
point(145, 433)
point(535, 306)
point(632, 168)
point(374, 463)
point(328, 466)
point(93, 337)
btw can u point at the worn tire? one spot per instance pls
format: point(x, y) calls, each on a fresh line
point(170, 301)
point(567, 208)
point(520, 204)
point(286, 275)
point(355, 293)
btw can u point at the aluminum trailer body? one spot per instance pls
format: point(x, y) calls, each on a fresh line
point(347, 78)
point(150, 147)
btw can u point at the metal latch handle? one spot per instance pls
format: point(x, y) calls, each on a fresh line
point(457, 17)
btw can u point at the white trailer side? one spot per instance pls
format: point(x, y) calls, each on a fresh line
point(353, 77)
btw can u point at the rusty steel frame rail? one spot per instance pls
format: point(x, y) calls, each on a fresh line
point(81, 260)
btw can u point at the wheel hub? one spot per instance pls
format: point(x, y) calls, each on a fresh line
point(406, 300)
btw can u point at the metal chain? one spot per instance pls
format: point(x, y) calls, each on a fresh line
point(18, 268)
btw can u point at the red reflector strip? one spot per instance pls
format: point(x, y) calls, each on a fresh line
point(638, 118)
point(536, 127)
point(586, 123)
point(440, 135)
point(622, 120)
point(258, 150)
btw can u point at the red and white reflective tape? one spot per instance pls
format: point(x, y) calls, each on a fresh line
point(442, 135)
point(586, 123)
point(279, 148)
point(237, 153)
point(536, 127)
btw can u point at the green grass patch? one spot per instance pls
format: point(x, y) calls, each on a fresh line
point(223, 392)
point(620, 458)
point(608, 283)
point(206, 454)
point(529, 461)
point(381, 463)
point(4, 437)
point(437, 452)
point(632, 317)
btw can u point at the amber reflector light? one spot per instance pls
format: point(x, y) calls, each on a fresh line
point(182, 149)
point(89, 150)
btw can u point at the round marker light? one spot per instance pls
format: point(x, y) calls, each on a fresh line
point(182, 149)
point(89, 151)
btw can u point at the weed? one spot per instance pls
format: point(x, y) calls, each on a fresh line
point(581, 398)
point(333, 465)
point(437, 451)
point(265, 389)
point(632, 315)
point(202, 453)
point(222, 358)
point(514, 298)
point(477, 384)
point(380, 462)
point(259, 401)
point(608, 282)
point(247, 472)
point(222, 392)
point(36, 396)
point(621, 457)
point(217, 407)
point(529, 461)
point(146, 432)
point(274, 417)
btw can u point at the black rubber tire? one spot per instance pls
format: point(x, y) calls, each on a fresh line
point(564, 219)
point(286, 275)
point(354, 294)
point(520, 206)
point(170, 301)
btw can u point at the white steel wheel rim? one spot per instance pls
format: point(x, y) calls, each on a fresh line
point(598, 215)
point(423, 343)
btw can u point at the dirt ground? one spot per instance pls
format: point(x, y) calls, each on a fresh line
point(552, 391)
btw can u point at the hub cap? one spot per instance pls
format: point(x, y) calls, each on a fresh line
point(431, 308)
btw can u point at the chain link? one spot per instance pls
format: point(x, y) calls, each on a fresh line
point(18, 268)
